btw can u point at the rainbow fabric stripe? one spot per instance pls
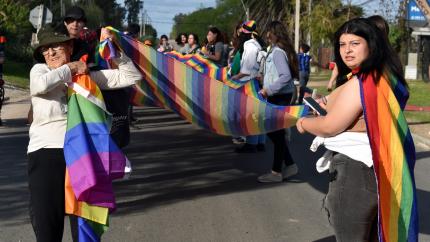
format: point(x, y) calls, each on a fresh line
point(393, 155)
point(93, 160)
point(202, 100)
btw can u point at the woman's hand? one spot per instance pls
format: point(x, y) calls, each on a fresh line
point(78, 67)
point(330, 86)
point(263, 93)
point(300, 126)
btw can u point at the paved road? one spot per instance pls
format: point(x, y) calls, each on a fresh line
point(188, 185)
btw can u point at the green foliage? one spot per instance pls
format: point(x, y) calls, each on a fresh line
point(16, 73)
point(94, 15)
point(17, 30)
point(150, 31)
point(133, 8)
point(224, 16)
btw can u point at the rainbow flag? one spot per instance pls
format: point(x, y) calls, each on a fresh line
point(93, 160)
point(201, 99)
point(393, 155)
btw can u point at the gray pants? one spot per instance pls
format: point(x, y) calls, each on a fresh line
point(352, 200)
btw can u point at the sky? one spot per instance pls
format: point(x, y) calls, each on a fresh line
point(161, 12)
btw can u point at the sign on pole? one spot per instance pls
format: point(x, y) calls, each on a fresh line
point(38, 17)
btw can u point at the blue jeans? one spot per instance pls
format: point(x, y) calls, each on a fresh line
point(256, 139)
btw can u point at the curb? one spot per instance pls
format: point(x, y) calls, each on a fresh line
point(421, 139)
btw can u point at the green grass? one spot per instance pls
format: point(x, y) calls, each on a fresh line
point(16, 74)
point(419, 96)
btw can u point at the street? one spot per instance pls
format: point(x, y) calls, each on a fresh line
point(188, 185)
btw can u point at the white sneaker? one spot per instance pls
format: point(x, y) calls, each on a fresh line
point(288, 171)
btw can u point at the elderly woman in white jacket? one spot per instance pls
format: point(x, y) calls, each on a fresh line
point(46, 168)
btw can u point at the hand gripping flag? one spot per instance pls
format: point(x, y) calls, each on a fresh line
point(93, 160)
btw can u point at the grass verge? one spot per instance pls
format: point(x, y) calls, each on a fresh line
point(16, 74)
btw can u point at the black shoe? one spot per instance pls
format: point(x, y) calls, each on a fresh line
point(246, 148)
point(261, 147)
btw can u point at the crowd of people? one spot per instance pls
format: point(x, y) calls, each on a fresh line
point(271, 59)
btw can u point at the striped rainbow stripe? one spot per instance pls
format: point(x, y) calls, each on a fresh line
point(393, 154)
point(205, 101)
point(93, 160)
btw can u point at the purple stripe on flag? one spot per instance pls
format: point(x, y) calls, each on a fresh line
point(92, 174)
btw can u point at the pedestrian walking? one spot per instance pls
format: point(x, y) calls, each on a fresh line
point(281, 68)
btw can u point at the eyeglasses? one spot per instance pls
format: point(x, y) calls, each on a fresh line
point(55, 47)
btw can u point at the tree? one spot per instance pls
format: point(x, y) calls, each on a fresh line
point(17, 30)
point(133, 8)
point(224, 16)
point(113, 13)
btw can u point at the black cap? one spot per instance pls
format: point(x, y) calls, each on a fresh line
point(75, 12)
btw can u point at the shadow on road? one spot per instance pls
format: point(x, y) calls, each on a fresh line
point(174, 164)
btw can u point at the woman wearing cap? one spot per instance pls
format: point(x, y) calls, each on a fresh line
point(46, 168)
point(281, 67)
point(250, 44)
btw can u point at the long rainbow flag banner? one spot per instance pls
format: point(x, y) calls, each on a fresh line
point(93, 160)
point(199, 98)
point(393, 155)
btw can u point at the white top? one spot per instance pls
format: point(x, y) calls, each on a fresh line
point(49, 98)
point(248, 63)
point(352, 144)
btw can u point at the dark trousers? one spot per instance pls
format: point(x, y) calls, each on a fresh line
point(46, 174)
point(280, 148)
point(303, 79)
point(352, 200)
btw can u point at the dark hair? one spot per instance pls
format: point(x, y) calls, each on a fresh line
point(196, 38)
point(219, 37)
point(164, 37)
point(133, 29)
point(280, 31)
point(380, 22)
point(305, 47)
point(235, 39)
point(382, 58)
point(179, 38)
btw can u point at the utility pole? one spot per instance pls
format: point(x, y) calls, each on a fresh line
point(142, 21)
point(297, 26)
point(309, 26)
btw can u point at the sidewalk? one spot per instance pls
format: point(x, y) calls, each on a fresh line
point(16, 105)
